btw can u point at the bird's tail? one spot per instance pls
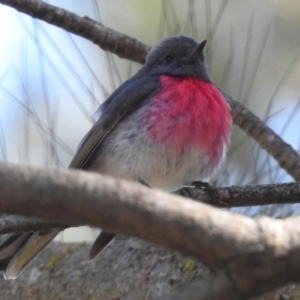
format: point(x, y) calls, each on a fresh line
point(103, 239)
point(17, 250)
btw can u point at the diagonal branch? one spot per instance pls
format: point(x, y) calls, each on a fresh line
point(192, 228)
point(225, 197)
point(282, 152)
point(106, 38)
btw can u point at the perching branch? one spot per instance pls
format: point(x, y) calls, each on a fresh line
point(252, 256)
point(249, 195)
point(225, 197)
point(129, 48)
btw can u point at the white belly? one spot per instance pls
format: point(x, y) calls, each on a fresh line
point(128, 153)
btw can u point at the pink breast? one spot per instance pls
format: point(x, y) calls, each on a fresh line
point(189, 113)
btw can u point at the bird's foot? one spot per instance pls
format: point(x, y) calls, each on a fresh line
point(207, 189)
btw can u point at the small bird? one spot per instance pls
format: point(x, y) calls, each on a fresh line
point(166, 127)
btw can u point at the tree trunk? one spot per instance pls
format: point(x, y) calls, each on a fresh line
point(128, 269)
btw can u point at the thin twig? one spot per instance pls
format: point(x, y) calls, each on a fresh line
point(18, 224)
point(282, 152)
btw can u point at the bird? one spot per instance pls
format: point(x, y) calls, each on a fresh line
point(166, 127)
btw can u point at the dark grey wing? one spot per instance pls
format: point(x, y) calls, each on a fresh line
point(16, 251)
point(123, 102)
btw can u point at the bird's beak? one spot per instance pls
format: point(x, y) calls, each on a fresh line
point(198, 51)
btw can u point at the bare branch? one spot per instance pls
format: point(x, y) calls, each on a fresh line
point(249, 195)
point(254, 256)
point(106, 38)
point(282, 152)
point(225, 197)
point(18, 224)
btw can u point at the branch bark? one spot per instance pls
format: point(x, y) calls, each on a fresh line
point(252, 256)
point(225, 197)
point(249, 195)
point(18, 224)
point(129, 48)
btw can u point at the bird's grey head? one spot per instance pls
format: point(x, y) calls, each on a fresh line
point(179, 56)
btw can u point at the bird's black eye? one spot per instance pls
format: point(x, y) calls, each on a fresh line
point(168, 59)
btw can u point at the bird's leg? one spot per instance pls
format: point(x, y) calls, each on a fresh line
point(201, 185)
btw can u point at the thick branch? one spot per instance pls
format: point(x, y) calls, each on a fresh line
point(225, 197)
point(254, 256)
point(106, 38)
